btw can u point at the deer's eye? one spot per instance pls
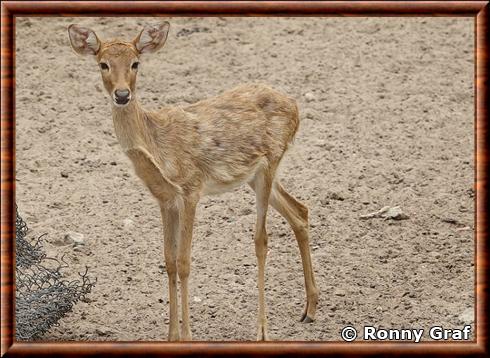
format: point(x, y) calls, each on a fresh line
point(103, 66)
point(135, 65)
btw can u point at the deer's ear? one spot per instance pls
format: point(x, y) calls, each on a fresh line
point(152, 38)
point(83, 40)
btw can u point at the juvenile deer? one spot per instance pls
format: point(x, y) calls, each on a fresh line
point(210, 147)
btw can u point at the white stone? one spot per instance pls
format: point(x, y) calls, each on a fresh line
point(396, 213)
point(128, 224)
point(310, 97)
point(467, 316)
point(71, 238)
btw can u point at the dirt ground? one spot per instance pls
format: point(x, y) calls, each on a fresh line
point(387, 119)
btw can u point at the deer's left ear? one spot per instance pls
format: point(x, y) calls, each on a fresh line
point(83, 40)
point(152, 38)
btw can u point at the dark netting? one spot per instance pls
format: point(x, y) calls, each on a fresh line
point(42, 296)
point(26, 253)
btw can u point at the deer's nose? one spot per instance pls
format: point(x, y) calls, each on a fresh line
point(122, 96)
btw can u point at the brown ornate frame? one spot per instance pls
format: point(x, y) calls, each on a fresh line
point(10, 9)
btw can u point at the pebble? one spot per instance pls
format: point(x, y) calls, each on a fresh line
point(76, 238)
point(197, 299)
point(310, 97)
point(450, 220)
point(128, 224)
point(245, 212)
point(82, 249)
point(435, 254)
point(71, 238)
point(396, 213)
point(103, 331)
point(336, 196)
point(308, 113)
point(467, 316)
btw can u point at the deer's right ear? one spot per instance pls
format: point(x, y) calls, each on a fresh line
point(83, 40)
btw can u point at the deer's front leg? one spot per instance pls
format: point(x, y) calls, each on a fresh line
point(170, 217)
point(188, 213)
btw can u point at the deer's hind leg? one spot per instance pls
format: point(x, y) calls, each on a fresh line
point(297, 216)
point(262, 185)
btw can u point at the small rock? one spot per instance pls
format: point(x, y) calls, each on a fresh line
point(128, 224)
point(103, 332)
point(309, 114)
point(75, 238)
point(239, 281)
point(336, 196)
point(467, 316)
point(82, 249)
point(339, 292)
point(310, 97)
point(245, 212)
point(324, 202)
point(435, 254)
point(62, 241)
point(396, 213)
point(449, 220)
point(387, 212)
point(197, 299)
point(64, 174)
point(71, 238)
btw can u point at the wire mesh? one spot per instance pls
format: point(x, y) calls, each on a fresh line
point(42, 295)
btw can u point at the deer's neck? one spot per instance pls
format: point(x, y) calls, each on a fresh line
point(130, 125)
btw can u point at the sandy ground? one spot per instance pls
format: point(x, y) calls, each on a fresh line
point(387, 119)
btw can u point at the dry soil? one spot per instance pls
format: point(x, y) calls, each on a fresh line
point(386, 119)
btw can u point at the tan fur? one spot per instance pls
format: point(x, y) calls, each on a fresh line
point(212, 146)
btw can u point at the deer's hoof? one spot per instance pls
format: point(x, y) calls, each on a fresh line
point(308, 315)
point(186, 336)
point(172, 337)
point(262, 334)
point(306, 319)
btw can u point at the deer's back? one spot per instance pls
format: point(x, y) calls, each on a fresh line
point(248, 115)
point(224, 139)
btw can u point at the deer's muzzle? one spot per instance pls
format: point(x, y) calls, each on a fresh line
point(122, 97)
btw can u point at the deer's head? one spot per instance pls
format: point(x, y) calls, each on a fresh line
point(118, 60)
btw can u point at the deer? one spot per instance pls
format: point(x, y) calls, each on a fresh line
point(183, 153)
